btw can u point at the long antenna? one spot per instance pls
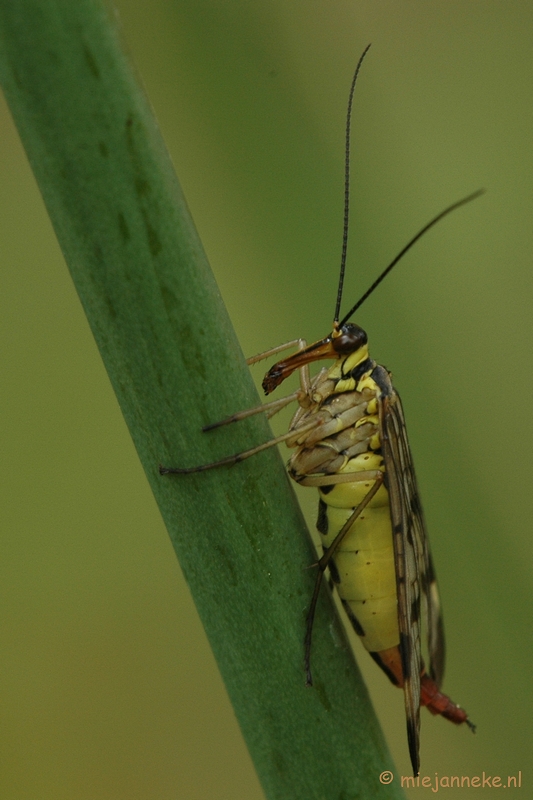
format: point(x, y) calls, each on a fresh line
point(347, 186)
point(406, 248)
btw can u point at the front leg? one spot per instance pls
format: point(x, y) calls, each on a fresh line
point(300, 344)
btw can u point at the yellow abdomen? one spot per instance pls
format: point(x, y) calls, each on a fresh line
point(363, 565)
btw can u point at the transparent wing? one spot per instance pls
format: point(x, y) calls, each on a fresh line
point(414, 569)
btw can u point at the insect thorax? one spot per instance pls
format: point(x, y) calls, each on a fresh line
point(344, 405)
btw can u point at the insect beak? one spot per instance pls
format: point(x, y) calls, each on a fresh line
point(282, 369)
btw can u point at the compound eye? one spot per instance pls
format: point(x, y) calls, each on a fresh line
point(351, 338)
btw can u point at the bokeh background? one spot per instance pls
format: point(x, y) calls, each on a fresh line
point(108, 686)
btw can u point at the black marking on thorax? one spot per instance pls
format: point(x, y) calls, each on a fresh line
point(381, 376)
point(357, 372)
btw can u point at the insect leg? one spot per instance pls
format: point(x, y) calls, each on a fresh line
point(334, 479)
point(301, 344)
point(234, 459)
point(322, 563)
point(269, 408)
point(272, 408)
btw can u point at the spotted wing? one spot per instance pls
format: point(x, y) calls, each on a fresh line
point(414, 571)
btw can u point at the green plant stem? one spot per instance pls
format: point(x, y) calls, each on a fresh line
point(175, 365)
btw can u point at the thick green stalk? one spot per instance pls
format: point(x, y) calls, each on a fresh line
point(175, 364)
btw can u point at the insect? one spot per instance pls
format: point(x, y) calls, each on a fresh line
point(350, 442)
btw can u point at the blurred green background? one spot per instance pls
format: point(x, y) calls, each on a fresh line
point(108, 686)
